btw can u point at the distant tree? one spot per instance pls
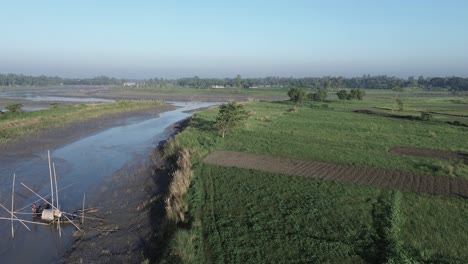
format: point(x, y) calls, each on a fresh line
point(342, 94)
point(437, 82)
point(297, 95)
point(319, 96)
point(238, 81)
point(421, 81)
point(14, 107)
point(399, 104)
point(354, 94)
point(412, 82)
point(358, 94)
point(230, 116)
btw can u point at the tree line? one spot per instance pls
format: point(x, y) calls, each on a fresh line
point(364, 82)
point(25, 80)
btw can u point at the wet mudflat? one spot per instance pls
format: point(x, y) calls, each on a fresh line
point(84, 163)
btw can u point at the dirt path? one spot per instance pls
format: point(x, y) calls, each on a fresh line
point(389, 179)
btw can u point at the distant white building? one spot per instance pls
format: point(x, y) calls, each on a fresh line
point(129, 84)
point(217, 86)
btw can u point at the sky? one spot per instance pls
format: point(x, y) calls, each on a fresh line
point(217, 39)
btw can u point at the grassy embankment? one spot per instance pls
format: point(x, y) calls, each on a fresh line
point(272, 91)
point(247, 216)
point(14, 125)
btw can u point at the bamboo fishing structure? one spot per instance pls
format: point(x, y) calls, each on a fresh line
point(82, 212)
point(12, 209)
point(51, 182)
point(56, 194)
point(20, 220)
point(46, 196)
point(53, 207)
point(47, 215)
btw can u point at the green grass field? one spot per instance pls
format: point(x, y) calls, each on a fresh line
point(175, 90)
point(247, 216)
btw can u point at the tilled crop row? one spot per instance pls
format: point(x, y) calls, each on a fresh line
point(388, 179)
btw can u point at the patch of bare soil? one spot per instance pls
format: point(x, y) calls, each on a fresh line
point(371, 112)
point(429, 153)
point(388, 179)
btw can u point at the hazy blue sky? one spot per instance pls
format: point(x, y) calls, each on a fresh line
point(143, 39)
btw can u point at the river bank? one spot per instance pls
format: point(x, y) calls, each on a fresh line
point(131, 207)
point(49, 138)
point(111, 160)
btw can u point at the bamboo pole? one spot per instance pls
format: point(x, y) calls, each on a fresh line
point(87, 217)
point(17, 211)
point(1, 205)
point(12, 208)
point(50, 205)
point(21, 220)
point(57, 200)
point(82, 213)
point(50, 174)
point(56, 189)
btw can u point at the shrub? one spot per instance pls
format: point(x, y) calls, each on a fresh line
point(297, 95)
point(399, 103)
point(342, 95)
point(352, 95)
point(356, 94)
point(319, 96)
point(426, 116)
point(14, 107)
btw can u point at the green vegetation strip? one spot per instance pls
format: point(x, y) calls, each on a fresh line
point(15, 125)
point(250, 216)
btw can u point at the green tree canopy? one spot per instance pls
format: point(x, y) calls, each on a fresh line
point(319, 96)
point(342, 94)
point(230, 116)
point(297, 95)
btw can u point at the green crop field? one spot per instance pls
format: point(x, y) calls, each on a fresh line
point(247, 216)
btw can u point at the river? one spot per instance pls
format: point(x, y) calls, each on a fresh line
point(82, 164)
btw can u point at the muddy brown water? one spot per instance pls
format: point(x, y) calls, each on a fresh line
point(83, 163)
